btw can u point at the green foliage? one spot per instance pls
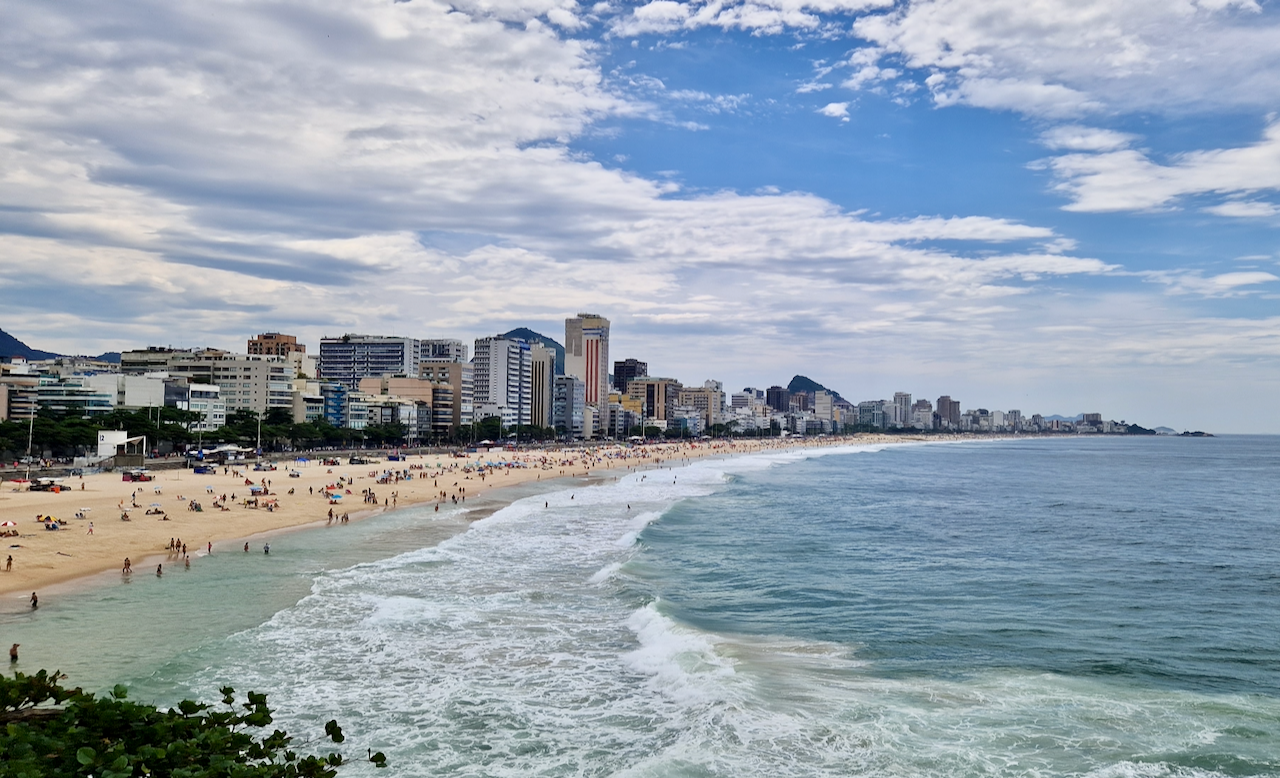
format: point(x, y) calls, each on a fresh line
point(110, 737)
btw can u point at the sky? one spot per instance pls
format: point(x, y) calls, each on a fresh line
point(1056, 206)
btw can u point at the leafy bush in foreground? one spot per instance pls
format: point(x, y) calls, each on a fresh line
point(53, 731)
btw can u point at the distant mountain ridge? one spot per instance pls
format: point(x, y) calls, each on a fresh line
point(524, 333)
point(12, 347)
point(802, 383)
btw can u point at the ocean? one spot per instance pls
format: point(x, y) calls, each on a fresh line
point(1043, 607)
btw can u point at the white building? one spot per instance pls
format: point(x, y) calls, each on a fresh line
point(502, 380)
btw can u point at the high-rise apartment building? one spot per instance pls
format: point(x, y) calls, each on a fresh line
point(901, 409)
point(568, 406)
point(948, 411)
point(503, 380)
point(541, 384)
point(586, 355)
point(823, 405)
point(627, 369)
point(351, 357)
point(275, 344)
point(778, 398)
point(459, 377)
point(658, 397)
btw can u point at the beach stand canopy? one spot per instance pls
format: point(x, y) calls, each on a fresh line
point(8, 523)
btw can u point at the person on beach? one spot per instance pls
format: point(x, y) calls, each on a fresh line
point(128, 567)
point(90, 532)
point(8, 564)
point(159, 570)
point(209, 550)
point(186, 561)
point(246, 548)
point(13, 653)
point(35, 601)
point(266, 548)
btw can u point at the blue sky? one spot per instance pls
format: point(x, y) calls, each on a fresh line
point(1059, 206)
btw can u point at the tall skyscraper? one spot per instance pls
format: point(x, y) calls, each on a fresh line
point(627, 369)
point(542, 382)
point(501, 371)
point(586, 355)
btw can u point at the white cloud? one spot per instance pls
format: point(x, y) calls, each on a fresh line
point(1077, 138)
point(1129, 180)
point(762, 16)
point(1069, 57)
point(1242, 209)
point(835, 110)
point(1222, 285)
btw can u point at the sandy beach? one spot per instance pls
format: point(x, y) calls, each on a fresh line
point(159, 511)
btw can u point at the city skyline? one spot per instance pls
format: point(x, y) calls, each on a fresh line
point(1055, 205)
point(430, 388)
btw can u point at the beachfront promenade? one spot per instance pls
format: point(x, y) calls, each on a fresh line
point(42, 557)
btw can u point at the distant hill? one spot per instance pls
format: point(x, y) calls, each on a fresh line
point(12, 347)
point(1056, 417)
point(524, 333)
point(806, 384)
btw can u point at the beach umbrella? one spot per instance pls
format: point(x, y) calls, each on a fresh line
point(8, 523)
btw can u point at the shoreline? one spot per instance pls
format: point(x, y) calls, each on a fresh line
point(71, 559)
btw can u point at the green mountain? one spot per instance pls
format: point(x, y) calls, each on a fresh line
point(806, 384)
point(524, 333)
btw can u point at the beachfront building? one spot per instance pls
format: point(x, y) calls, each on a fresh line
point(707, 400)
point(657, 397)
point(824, 406)
point(206, 400)
point(900, 410)
point(922, 415)
point(586, 355)
point(948, 411)
point(871, 413)
point(72, 396)
point(568, 406)
point(778, 398)
point(459, 377)
point(542, 365)
point(351, 357)
point(627, 369)
point(443, 349)
point(502, 378)
point(247, 382)
point(275, 344)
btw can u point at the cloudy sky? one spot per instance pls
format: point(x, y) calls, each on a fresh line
point(1051, 205)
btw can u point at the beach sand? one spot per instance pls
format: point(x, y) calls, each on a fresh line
point(43, 557)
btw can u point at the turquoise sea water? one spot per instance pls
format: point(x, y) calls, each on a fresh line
point(1101, 607)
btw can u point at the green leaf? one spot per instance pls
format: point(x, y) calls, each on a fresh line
point(86, 755)
point(119, 692)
